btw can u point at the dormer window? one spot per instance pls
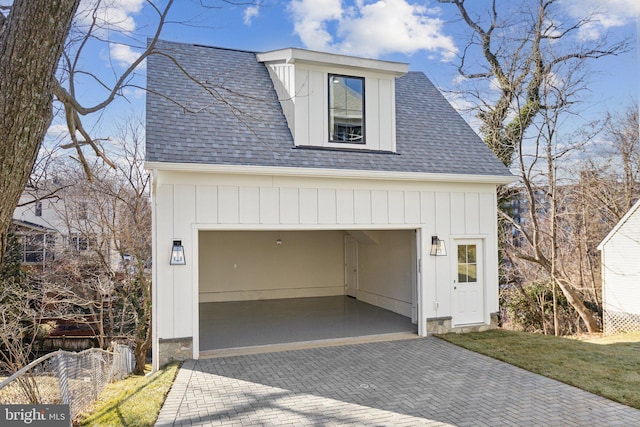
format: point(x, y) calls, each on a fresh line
point(346, 109)
point(322, 97)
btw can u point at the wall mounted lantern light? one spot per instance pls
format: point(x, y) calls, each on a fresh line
point(437, 247)
point(177, 254)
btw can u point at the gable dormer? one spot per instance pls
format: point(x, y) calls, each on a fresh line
point(336, 101)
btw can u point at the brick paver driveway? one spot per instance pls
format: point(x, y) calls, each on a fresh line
point(395, 383)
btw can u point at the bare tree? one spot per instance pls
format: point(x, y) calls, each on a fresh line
point(524, 69)
point(19, 330)
point(102, 278)
point(31, 43)
point(544, 239)
point(41, 61)
point(611, 178)
point(576, 203)
point(607, 187)
point(21, 309)
point(130, 226)
point(41, 57)
point(512, 50)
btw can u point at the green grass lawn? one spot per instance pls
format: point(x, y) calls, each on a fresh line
point(607, 366)
point(134, 401)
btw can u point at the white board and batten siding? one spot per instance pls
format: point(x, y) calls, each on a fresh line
point(188, 202)
point(621, 265)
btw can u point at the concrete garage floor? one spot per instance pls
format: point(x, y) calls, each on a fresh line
point(225, 325)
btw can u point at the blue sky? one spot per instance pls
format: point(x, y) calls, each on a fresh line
point(426, 34)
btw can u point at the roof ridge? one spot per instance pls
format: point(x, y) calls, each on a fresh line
point(231, 49)
point(224, 48)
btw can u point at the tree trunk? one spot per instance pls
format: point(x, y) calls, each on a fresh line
point(576, 302)
point(143, 344)
point(143, 337)
point(31, 42)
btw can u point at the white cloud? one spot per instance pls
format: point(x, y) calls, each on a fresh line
point(370, 28)
point(394, 26)
point(58, 131)
point(122, 54)
point(494, 84)
point(604, 14)
point(311, 18)
point(58, 134)
point(551, 29)
point(554, 82)
point(109, 14)
point(459, 79)
point(250, 13)
point(135, 92)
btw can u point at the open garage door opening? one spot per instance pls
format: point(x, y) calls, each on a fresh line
point(276, 287)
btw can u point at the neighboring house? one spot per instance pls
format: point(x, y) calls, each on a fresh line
point(70, 233)
point(51, 228)
point(37, 242)
point(621, 274)
point(293, 173)
point(38, 226)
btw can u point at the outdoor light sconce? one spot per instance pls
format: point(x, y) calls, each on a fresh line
point(177, 254)
point(437, 247)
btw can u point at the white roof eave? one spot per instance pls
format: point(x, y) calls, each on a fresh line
point(293, 55)
point(620, 223)
point(330, 173)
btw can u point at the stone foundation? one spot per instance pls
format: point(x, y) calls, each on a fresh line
point(174, 349)
point(442, 325)
point(495, 319)
point(438, 325)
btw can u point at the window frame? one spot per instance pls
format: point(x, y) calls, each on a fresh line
point(362, 140)
point(78, 242)
point(83, 208)
point(468, 262)
point(36, 248)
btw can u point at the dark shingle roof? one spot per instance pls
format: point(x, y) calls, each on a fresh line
point(234, 118)
point(31, 226)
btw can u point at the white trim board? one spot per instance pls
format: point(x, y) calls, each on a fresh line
point(329, 173)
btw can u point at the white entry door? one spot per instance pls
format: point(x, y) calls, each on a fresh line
point(468, 284)
point(351, 266)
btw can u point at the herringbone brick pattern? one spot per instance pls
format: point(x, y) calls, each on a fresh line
point(419, 382)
